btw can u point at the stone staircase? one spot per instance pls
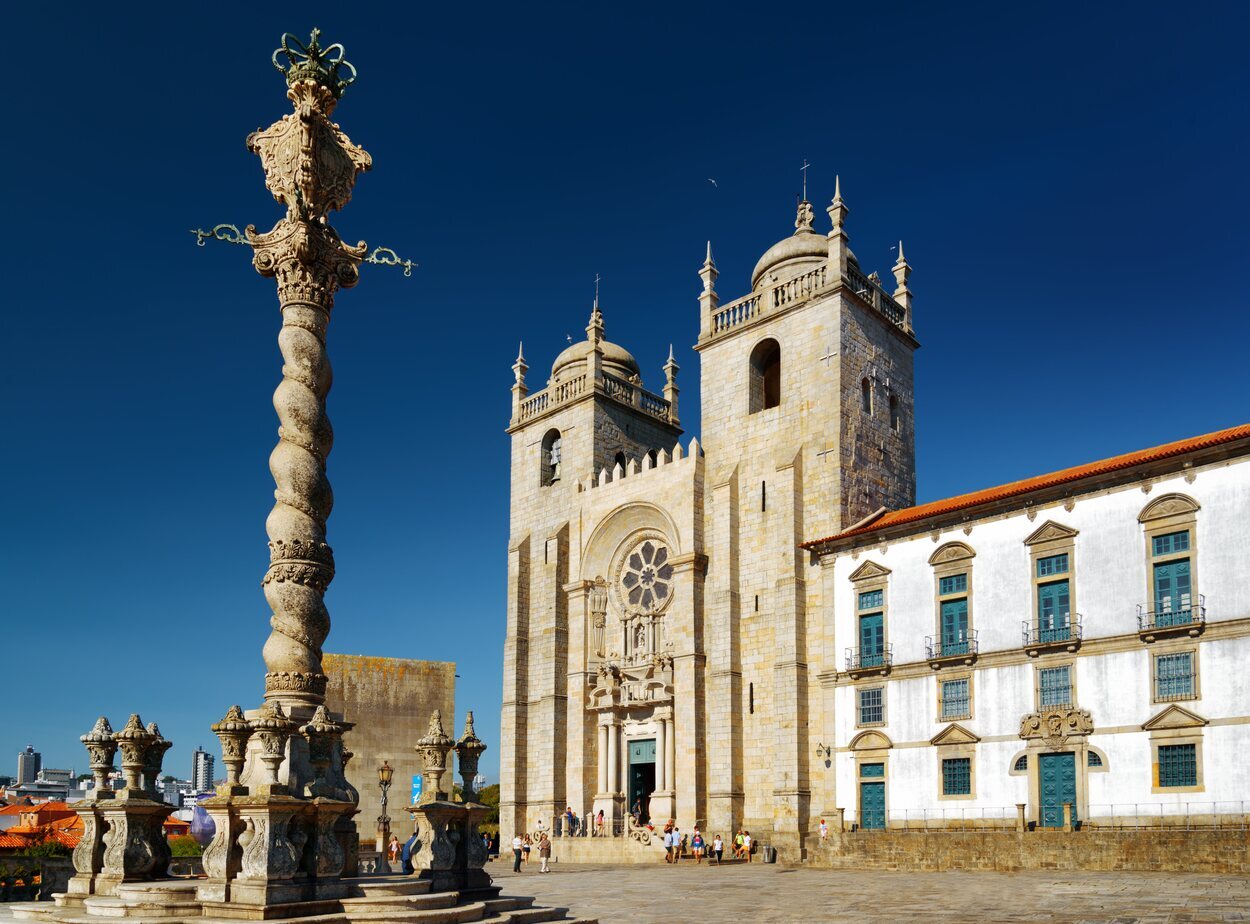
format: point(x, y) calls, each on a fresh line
point(377, 900)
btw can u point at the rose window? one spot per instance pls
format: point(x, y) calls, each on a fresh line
point(646, 577)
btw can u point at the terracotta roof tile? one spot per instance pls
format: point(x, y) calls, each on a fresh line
point(1040, 482)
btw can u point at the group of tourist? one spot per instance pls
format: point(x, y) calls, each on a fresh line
point(523, 844)
point(675, 845)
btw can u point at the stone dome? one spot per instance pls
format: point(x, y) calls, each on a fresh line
point(617, 360)
point(804, 248)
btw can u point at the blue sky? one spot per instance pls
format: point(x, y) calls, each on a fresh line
point(1069, 181)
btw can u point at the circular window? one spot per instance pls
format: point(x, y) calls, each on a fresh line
point(646, 577)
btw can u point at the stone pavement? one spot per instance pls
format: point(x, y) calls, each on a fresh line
point(761, 894)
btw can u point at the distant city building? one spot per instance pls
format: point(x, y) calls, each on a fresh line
point(177, 792)
point(50, 775)
point(29, 763)
point(202, 770)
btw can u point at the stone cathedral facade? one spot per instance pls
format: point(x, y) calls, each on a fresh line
point(762, 629)
point(659, 603)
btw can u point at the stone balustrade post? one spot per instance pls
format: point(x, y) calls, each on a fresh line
point(1067, 816)
point(1020, 825)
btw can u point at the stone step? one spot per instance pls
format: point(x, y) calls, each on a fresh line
point(382, 906)
point(500, 905)
point(30, 911)
point(149, 907)
point(390, 885)
point(535, 915)
point(451, 914)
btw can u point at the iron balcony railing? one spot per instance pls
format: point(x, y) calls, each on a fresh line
point(937, 648)
point(1187, 615)
point(1063, 629)
point(858, 659)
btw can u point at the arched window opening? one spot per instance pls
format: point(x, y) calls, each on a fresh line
point(865, 395)
point(765, 376)
point(895, 420)
point(551, 458)
point(654, 457)
point(621, 461)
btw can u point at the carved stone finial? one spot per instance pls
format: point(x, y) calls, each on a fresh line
point(433, 749)
point(233, 731)
point(101, 747)
point(321, 732)
point(154, 758)
point(469, 749)
point(133, 740)
point(273, 728)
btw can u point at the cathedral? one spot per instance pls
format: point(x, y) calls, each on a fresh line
point(760, 629)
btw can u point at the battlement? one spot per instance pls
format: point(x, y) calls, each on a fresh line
point(635, 468)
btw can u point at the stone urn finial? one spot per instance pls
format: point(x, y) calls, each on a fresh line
point(469, 751)
point(134, 740)
point(272, 727)
point(433, 749)
point(154, 758)
point(101, 747)
point(233, 731)
point(321, 733)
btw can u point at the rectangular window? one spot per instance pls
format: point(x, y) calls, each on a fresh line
point(872, 706)
point(1173, 592)
point(955, 704)
point(871, 639)
point(1171, 543)
point(1178, 765)
point(1174, 676)
point(957, 776)
point(1054, 564)
point(1054, 604)
point(872, 599)
point(1055, 686)
point(955, 584)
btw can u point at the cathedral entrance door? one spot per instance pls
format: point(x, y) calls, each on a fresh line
point(1057, 774)
point(641, 777)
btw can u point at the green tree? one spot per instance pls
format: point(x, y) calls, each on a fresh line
point(185, 846)
point(489, 796)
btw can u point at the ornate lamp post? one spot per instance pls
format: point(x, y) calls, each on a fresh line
point(385, 773)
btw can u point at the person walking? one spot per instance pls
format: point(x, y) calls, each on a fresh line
point(392, 849)
point(746, 844)
point(599, 824)
point(668, 845)
point(676, 843)
point(544, 853)
point(718, 849)
point(696, 844)
point(528, 845)
point(518, 846)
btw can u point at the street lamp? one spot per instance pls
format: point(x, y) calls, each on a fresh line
point(385, 772)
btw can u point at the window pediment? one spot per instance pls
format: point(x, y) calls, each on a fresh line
point(952, 551)
point(1174, 717)
point(1049, 532)
point(868, 571)
point(954, 734)
point(1169, 505)
point(870, 741)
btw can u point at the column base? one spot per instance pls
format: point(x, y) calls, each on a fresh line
point(662, 806)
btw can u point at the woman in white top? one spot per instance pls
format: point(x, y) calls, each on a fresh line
point(718, 848)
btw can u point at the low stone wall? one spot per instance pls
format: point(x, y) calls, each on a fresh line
point(1201, 850)
point(598, 850)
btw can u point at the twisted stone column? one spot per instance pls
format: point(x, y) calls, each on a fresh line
point(310, 166)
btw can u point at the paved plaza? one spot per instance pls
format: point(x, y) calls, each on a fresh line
point(759, 893)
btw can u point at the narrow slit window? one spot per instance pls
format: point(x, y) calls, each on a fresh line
point(865, 396)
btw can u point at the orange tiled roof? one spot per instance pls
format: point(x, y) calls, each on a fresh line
point(1039, 482)
point(9, 842)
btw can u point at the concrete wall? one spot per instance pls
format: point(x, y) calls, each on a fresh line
point(390, 700)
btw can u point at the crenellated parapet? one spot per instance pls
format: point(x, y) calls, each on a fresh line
point(658, 460)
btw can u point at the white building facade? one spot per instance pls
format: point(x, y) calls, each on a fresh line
point(1074, 645)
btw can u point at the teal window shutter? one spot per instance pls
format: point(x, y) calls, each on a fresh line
point(1174, 676)
point(1053, 605)
point(871, 639)
point(955, 584)
point(1173, 597)
point(1053, 564)
point(872, 599)
point(1171, 543)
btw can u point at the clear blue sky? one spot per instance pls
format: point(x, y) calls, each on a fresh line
point(1069, 181)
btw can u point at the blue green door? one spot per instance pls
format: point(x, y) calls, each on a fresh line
point(1172, 593)
point(955, 627)
point(871, 639)
point(1058, 781)
point(641, 777)
point(1053, 604)
point(872, 796)
point(872, 806)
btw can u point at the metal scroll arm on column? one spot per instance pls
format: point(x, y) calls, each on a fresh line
point(230, 234)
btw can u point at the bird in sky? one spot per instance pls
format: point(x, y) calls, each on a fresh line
point(713, 182)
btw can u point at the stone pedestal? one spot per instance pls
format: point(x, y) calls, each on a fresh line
point(662, 806)
point(135, 848)
point(440, 831)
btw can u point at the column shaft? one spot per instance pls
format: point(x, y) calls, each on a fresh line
point(661, 755)
point(603, 758)
point(614, 762)
point(670, 756)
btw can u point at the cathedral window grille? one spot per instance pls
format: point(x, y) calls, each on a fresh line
point(1174, 676)
point(1178, 765)
point(552, 448)
point(872, 706)
point(765, 382)
point(955, 700)
point(1055, 686)
point(957, 776)
point(1022, 763)
point(1093, 760)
